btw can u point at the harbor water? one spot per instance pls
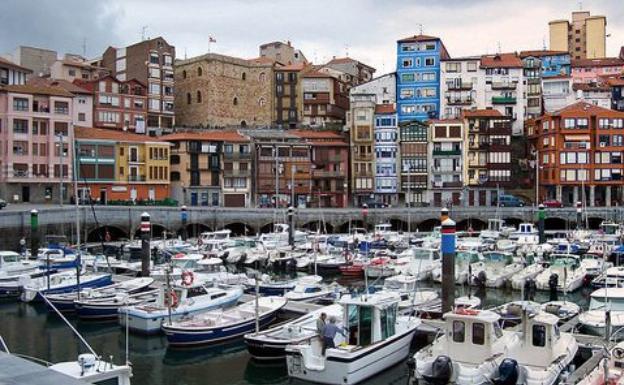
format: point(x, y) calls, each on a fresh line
point(29, 329)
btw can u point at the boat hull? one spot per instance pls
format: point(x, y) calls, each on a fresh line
point(37, 296)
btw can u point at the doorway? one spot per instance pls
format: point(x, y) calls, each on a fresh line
point(25, 193)
point(103, 196)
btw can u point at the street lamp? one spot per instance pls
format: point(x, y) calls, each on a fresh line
point(60, 147)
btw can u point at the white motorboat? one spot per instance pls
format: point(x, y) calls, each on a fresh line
point(308, 288)
point(34, 288)
point(93, 370)
point(495, 269)
point(533, 270)
point(279, 237)
point(594, 264)
point(542, 354)
point(376, 339)
point(181, 301)
point(108, 308)
point(494, 229)
point(463, 260)
point(564, 310)
point(13, 266)
point(593, 321)
point(611, 277)
point(412, 296)
point(565, 271)
point(468, 352)
point(526, 234)
point(511, 313)
point(180, 263)
point(423, 261)
point(270, 344)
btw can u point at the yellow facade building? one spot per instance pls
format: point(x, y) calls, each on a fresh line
point(584, 37)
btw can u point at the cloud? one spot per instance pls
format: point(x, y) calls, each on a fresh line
point(366, 29)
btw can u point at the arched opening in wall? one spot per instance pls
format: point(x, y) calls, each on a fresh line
point(100, 234)
point(244, 76)
point(515, 222)
point(235, 101)
point(428, 225)
point(471, 223)
point(194, 229)
point(157, 231)
point(556, 224)
point(268, 228)
point(240, 229)
point(398, 224)
point(199, 97)
point(243, 124)
point(184, 74)
point(188, 98)
point(594, 223)
point(348, 226)
point(200, 71)
point(314, 226)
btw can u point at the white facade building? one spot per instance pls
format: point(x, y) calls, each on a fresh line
point(557, 93)
point(462, 84)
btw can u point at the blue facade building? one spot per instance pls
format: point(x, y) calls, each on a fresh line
point(418, 77)
point(550, 63)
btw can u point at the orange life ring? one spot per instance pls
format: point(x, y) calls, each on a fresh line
point(187, 278)
point(464, 311)
point(173, 297)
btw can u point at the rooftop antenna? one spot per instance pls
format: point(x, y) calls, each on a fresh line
point(544, 43)
point(143, 30)
point(184, 53)
point(580, 5)
point(420, 27)
point(84, 47)
point(498, 46)
point(346, 50)
point(210, 41)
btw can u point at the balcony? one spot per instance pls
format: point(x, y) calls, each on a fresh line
point(440, 184)
point(504, 85)
point(363, 157)
point(236, 155)
point(136, 178)
point(136, 159)
point(446, 152)
point(463, 86)
point(446, 170)
point(327, 159)
point(327, 174)
point(503, 100)
point(458, 101)
point(237, 173)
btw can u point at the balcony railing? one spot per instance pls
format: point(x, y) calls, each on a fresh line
point(328, 174)
point(136, 178)
point(446, 152)
point(237, 155)
point(458, 101)
point(363, 156)
point(503, 100)
point(459, 86)
point(504, 85)
point(21, 174)
point(237, 173)
point(446, 169)
point(136, 159)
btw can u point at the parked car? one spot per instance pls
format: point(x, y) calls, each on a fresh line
point(505, 200)
point(2, 204)
point(374, 205)
point(552, 203)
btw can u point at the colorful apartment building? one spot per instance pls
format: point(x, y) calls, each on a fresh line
point(36, 131)
point(414, 179)
point(386, 155)
point(325, 99)
point(120, 166)
point(361, 124)
point(118, 105)
point(12, 74)
point(582, 37)
point(462, 86)
point(592, 70)
point(488, 161)
point(211, 168)
point(579, 150)
point(418, 77)
point(446, 157)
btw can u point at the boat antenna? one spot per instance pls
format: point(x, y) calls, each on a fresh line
point(257, 306)
point(71, 327)
point(168, 294)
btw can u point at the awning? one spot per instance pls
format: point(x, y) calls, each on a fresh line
point(577, 138)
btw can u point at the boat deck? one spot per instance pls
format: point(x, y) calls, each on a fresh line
point(15, 370)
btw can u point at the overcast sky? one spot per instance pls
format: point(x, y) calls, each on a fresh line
point(367, 29)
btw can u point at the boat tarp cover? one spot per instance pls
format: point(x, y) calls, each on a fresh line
point(15, 370)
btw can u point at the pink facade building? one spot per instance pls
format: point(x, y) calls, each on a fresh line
point(591, 70)
point(34, 122)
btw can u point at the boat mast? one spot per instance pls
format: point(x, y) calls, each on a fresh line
point(257, 310)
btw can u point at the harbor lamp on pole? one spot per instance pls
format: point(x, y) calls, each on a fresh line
point(34, 235)
point(448, 261)
point(184, 220)
point(146, 228)
point(291, 226)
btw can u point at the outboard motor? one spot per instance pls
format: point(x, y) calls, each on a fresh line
point(508, 372)
point(553, 281)
point(481, 278)
point(441, 371)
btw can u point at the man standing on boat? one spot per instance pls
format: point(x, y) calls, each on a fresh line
point(320, 325)
point(329, 333)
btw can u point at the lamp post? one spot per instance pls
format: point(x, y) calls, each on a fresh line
point(146, 228)
point(448, 261)
point(184, 219)
point(60, 147)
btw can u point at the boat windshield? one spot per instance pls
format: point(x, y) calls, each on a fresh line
point(184, 263)
point(566, 262)
point(464, 256)
point(423, 254)
point(615, 304)
point(498, 257)
point(609, 228)
point(10, 258)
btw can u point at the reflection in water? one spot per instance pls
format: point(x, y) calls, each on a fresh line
point(29, 329)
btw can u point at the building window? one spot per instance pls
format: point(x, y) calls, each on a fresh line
point(235, 101)
point(200, 71)
point(199, 97)
point(429, 62)
point(453, 67)
point(188, 98)
point(244, 76)
point(82, 117)
point(20, 104)
point(20, 126)
point(472, 66)
point(261, 102)
point(407, 77)
point(407, 63)
point(184, 74)
point(154, 58)
point(262, 77)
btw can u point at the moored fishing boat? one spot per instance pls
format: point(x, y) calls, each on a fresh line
point(222, 324)
point(108, 308)
point(67, 282)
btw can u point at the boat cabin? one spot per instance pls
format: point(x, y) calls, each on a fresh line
point(369, 318)
point(210, 265)
point(93, 370)
point(9, 258)
point(612, 298)
point(497, 257)
point(495, 224)
point(186, 292)
point(401, 283)
point(186, 261)
point(462, 257)
point(215, 235)
point(610, 228)
point(472, 336)
point(539, 338)
point(427, 254)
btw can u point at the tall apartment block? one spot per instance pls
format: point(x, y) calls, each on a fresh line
point(418, 77)
point(584, 37)
point(151, 63)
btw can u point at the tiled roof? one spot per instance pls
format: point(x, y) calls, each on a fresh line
point(443, 121)
point(8, 63)
point(76, 63)
point(341, 60)
point(604, 62)
point(417, 38)
point(385, 109)
point(615, 81)
point(484, 113)
point(116, 135)
point(316, 74)
point(291, 67)
point(38, 90)
point(262, 60)
point(64, 84)
point(583, 108)
point(216, 135)
point(590, 87)
point(501, 60)
point(541, 52)
point(316, 134)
